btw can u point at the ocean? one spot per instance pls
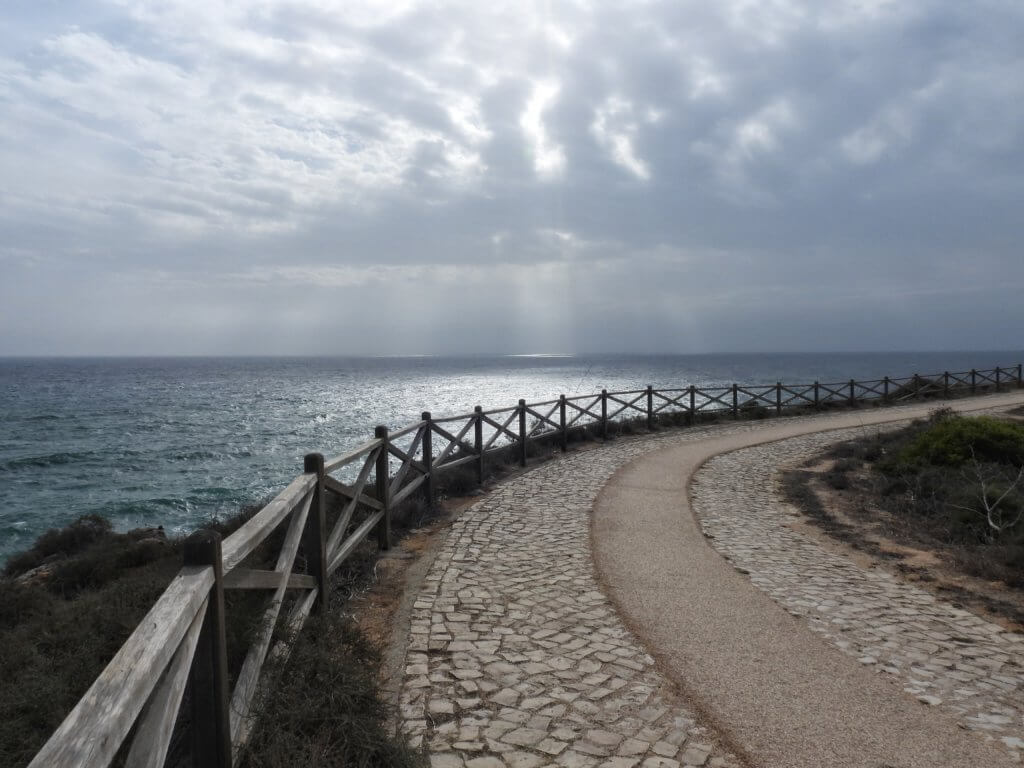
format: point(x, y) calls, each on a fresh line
point(175, 441)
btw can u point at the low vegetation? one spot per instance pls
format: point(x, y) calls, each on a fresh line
point(59, 631)
point(69, 603)
point(950, 485)
point(326, 709)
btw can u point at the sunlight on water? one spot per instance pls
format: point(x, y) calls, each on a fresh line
point(174, 441)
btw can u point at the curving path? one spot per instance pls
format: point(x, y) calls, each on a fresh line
point(942, 655)
point(771, 684)
point(517, 658)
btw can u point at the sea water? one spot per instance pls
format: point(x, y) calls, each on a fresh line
point(176, 441)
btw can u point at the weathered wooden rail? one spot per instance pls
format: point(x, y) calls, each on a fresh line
point(130, 711)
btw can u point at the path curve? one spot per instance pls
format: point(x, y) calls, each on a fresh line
point(772, 687)
point(941, 654)
point(516, 659)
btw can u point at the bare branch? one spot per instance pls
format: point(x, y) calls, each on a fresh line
point(992, 514)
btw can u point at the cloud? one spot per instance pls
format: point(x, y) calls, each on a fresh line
point(615, 129)
point(548, 157)
point(689, 165)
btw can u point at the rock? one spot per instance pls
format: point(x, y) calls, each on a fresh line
point(145, 534)
point(36, 576)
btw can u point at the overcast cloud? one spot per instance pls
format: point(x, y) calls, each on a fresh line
point(191, 176)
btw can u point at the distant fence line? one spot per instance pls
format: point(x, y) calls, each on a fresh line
point(181, 643)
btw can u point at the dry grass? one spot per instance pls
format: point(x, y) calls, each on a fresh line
point(325, 706)
point(58, 632)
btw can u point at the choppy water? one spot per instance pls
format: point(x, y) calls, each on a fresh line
point(173, 441)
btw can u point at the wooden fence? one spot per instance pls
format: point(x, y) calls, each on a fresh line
point(181, 642)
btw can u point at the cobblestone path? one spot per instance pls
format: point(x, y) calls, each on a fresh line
point(945, 656)
point(517, 659)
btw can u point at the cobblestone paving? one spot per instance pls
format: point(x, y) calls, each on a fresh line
point(516, 658)
point(946, 657)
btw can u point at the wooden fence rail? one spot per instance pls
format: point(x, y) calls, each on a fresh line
point(181, 642)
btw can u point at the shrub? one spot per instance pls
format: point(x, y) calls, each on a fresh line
point(752, 409)
point(60, 542)
point(345, 723)
point(458, 481)
point(952, 441)
point(54, 648)
point(837, 476)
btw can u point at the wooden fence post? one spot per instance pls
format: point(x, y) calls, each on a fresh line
point(778, 398)
point(853, 396)
point(314, 539)
point(561, 422)
point(735, 402)
point(997, 378)
point(1020, 378)
point(917, 387)
point(383, 492)
point(208, 677)
point(650, 407)
point(604, 414)
point(974, 381)
point(427, 446)
point(817, 399)
point(478, 442)
point(692, 414)
point(522, 433)
point(885, 390)
point(945, 384)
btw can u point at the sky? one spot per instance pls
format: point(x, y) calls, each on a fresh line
point(300, 177)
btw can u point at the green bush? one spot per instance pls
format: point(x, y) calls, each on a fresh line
point(932, 475)
point(950, 441)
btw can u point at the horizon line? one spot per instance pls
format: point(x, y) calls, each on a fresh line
point(442, 355)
